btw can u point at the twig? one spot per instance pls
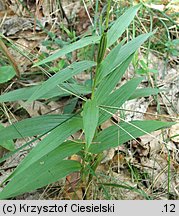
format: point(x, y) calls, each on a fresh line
point(10, 57)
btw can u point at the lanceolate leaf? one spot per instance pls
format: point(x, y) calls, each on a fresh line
point(90, 120)
point(64, 89)
point(6, 73)
point(121, 24)
point(144, 92)
point(124, 53)
point(118, 98)
point(69, 48)
point(48, 170)
point(60, 77)
point(113, 34)
point(102, 48)
point(114, 135)
point(7, 144)
point(32, 126)
point(50, 142)
point(109, 82)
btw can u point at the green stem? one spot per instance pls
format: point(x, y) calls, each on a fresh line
point(94, 83)
point(92, 169)
point(103, 48)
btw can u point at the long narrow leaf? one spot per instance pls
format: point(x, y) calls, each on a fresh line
point(121, 24)
point(7, 144)
point(109, 82)
point(32, 126)
point(70, 48)
point(114, 136)
point(60, 77)
point(124, 53)
point(25, 93)
point(90, 120)
point(118, 98)
point(49, 143)
point(144, 92)
point(40, 175)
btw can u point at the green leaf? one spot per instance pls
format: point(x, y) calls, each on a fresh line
point(144, 92)
point(60, 77)
point(121, 24)
point(70, 48)
point(109, 82)
point(6, 73)
point(127, 50)
point(50, 142)
point(114, 135)
point(7, 144)
point(114, 33)
point(70, 107)
point(102, 48)
point(90, 120)
point(25, 93)
point(118, 98)
point(32, 126)
point(45, 171)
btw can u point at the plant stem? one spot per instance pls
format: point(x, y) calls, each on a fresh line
point(92, 169)
point(94, 83)
point(101, 53)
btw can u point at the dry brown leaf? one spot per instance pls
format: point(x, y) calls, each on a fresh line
point(35, 108)
point(174, 133)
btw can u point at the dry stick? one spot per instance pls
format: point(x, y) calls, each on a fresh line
point(86, 9)
point(10, 58)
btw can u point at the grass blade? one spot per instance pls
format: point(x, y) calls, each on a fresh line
point(109, 82)
point(118, 98)
point(61, 77)
point(8, 143)
point(114, 136)
point(90, 120)
point(121, 24)
point(25, 93)
point(124, 53)
point(49, 143)
point(70, 48)
point(144, 92)
point(32, 126)
point(48, 170)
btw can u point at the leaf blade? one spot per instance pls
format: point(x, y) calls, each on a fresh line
point(7, 144)
point(55, 139)
point(109, 82)
point(25, 93)
point(144, 92)
point(127, 50)
point(114, 136)
point(70, 48)
point(39, 176)
point(60, 77)
point(121, 24)
point(118, 98)
point(32, 126)
point(90, 120)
